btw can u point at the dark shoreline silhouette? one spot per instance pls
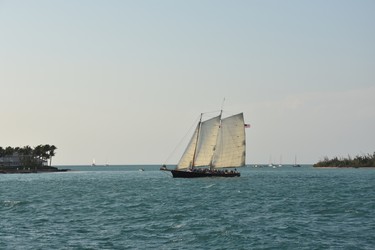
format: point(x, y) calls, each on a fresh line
point(24, 170)
point(360, 161)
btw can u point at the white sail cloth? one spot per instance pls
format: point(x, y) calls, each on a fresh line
point(216, 143)
point(207, 142)
point(186, 160)
point(231, 143)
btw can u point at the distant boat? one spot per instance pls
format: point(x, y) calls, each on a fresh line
point(93, 163)
point(271, 165)
point(141, 169)
point(280, 164)
point(295, 163)
point(216, 144)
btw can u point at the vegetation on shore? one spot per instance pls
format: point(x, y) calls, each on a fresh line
point(27, 157)
point(360, 161)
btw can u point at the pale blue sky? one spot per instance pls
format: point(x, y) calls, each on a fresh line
point(123, 81)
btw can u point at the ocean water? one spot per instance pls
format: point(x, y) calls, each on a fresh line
point(123, 208)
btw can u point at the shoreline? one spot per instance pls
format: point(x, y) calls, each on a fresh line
point(347, 167)
point(31, 171)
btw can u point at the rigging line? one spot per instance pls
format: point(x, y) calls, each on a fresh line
point(182, 139)
point(196, 143)
point(216, 111)
point(216, 143)
point(210, 112)
point(222, 104)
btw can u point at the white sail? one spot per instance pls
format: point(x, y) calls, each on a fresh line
point(231, 144)
point(186, 160)
point(207, 141)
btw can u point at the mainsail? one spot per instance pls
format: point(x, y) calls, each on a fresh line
point(217, 143)
point(231, 143)
point(207, 142)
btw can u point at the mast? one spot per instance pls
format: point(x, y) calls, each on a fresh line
point(221, 113)
point(196, 142)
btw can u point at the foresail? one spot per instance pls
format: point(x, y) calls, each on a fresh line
point(207, 141)
point(187, 158)
point(231, 144)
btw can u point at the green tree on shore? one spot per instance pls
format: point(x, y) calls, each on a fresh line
point(51, 153)
point(31, 157)
point(360, 161)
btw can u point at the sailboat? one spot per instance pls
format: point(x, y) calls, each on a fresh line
point(271, 165)
point(216, 144)
point(295, 162)
point(93, 163)
point(280, 164)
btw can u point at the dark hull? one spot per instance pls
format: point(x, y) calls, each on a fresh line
point(193, 174)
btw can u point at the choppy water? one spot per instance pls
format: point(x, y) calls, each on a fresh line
point(123, 208)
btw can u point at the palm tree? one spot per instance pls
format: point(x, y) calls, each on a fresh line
point(26, 155)
point(38, 153)
point(51, 153)
point(2, 152)
point(27, 150)
point(45, 152)
point(9, 151)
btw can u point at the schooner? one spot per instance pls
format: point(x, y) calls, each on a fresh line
point(217, 143)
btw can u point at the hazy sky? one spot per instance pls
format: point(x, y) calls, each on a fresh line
point(124, 81)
